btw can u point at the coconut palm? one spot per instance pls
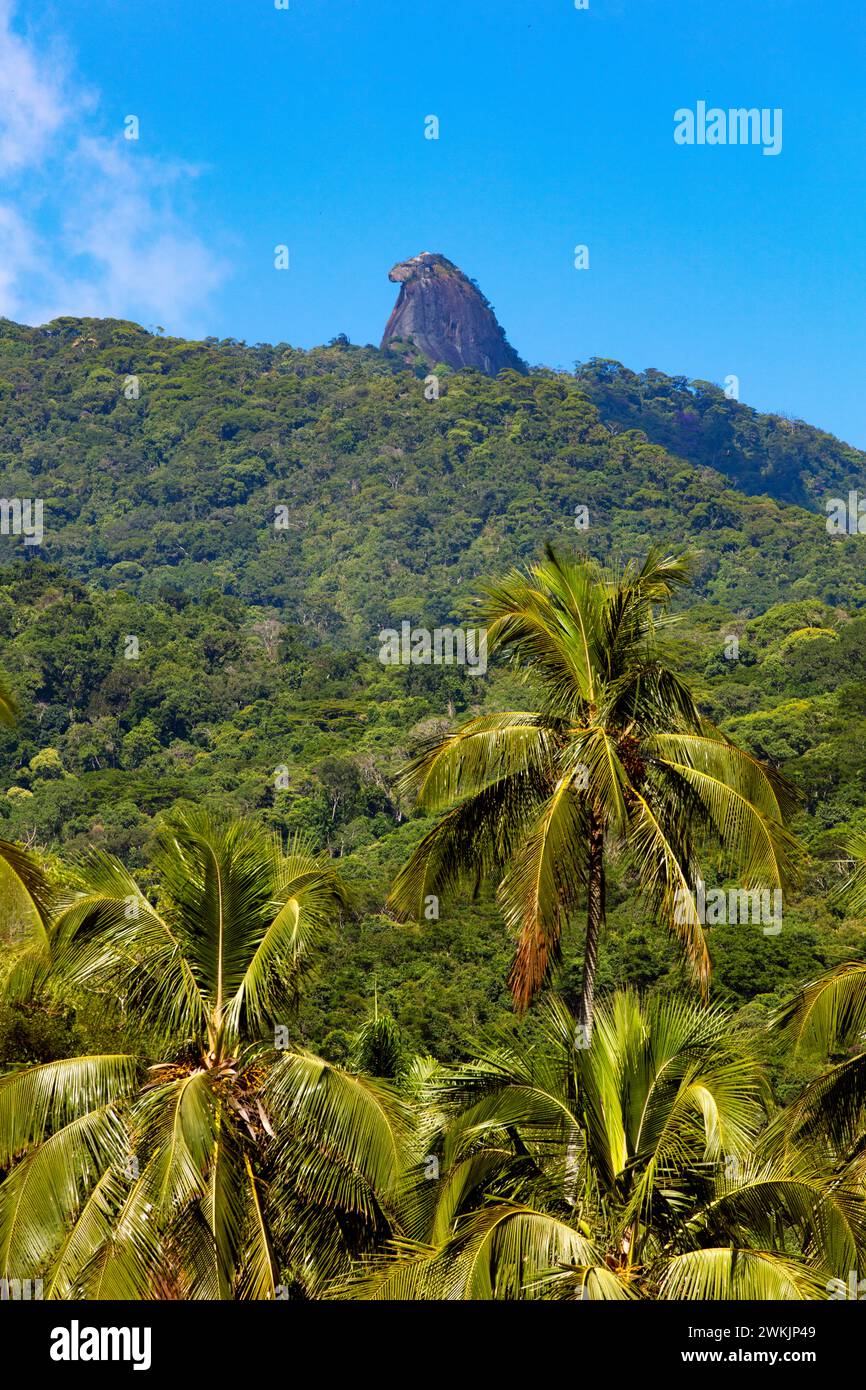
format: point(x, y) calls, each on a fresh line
point(24, 887)
point(827, 1018)
point(8, 706)
point(629, 1168)
point(26, 894)
point(616, 759)
point(223, 1164)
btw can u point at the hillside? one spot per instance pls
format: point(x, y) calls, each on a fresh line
point(695, 420)
point(256, 683)
point(394, 505)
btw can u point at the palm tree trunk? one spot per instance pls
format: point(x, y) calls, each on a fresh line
point(594, 923)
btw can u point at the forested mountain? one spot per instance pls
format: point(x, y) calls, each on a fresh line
point(696, 420)
point(161, 462)
point(253, 516)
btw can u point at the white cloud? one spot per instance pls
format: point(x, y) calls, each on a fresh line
point(97, 227)
point(16, 252)
point(32, 104)
point(120, 217)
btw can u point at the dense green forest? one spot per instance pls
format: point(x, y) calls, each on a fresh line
point(696, 420)
point(226, 531)
point(395, 505)
point(257, 685)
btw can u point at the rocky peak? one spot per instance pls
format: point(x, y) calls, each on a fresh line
point(446, 318)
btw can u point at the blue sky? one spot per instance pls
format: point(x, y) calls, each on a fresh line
point(305, 126)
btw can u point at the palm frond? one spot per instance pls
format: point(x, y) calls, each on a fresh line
point(855, 888)
point(484, 751)
point(362, 1119)
point(542, 885)
point(106, 933)
point(741, 1274)
point(28, 897)
point(43, 1192)
point(8, 706)
point(112, 1249)
point(506, 1251)
point(40, 1099)
point(466, 845)
point(308, 895)
point(829, 1012)
point(259, 1279)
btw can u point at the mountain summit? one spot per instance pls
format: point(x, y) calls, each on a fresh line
point(444, 316)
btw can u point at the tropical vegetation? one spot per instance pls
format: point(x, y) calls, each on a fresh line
point(326, 979)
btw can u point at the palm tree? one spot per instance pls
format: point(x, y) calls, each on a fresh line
point(617, 760)
point(231, 1165)
point(632, 1168)
point(26, 893)
point(8, 706)
point(24, 885)
point(827, 1018)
